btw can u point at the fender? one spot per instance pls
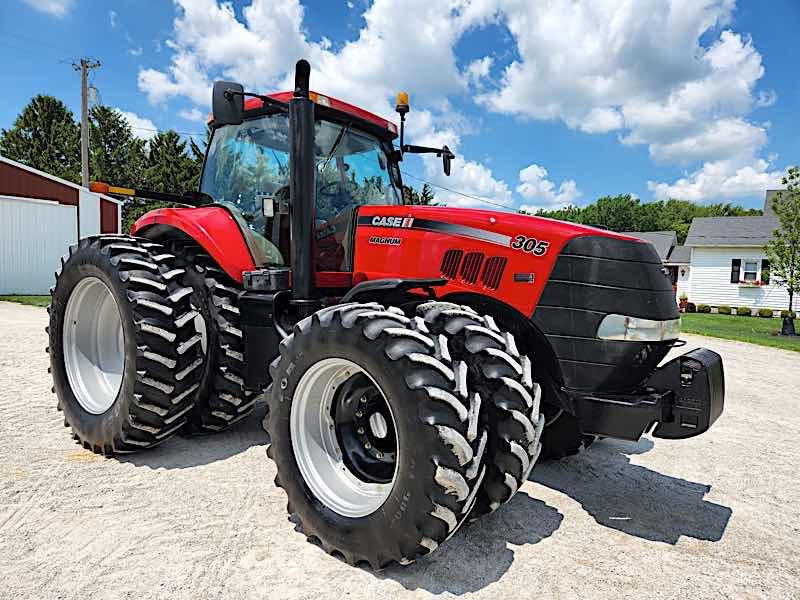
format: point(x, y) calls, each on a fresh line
point(530, 339)
point(212, 227)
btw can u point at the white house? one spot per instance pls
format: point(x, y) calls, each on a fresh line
point(40, 217)
point(727, 262)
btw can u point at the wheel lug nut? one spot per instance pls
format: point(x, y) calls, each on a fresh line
point(380, 454)
point(363, 399)
point(359, 413)
point(360, 431)
point(367, 445)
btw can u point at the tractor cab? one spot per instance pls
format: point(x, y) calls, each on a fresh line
point(247, 170)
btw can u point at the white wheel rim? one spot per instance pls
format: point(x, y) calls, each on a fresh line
point(94, 345)
point(316, 447)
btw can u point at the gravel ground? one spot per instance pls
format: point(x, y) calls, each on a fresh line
point(716, 516)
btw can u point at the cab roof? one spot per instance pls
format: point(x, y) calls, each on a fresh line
point(333, 104)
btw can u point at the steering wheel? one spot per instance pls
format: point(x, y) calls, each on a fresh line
point(338, 188)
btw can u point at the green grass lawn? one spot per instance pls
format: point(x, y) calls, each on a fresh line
point(754, 330)
point(29, 300)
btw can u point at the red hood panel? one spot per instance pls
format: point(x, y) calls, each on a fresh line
point(412, 241)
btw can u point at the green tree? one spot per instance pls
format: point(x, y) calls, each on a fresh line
point(784, 248)
point(116, 155)
point(169, 168)
point(426, 197)
point(45, 136)
point(626, 213)
point(423, 198)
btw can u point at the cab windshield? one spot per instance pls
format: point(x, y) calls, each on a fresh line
point(249, 161)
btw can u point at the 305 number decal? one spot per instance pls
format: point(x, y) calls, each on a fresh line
point(529, 244)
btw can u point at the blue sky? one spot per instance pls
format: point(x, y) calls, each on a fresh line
point(545, 103)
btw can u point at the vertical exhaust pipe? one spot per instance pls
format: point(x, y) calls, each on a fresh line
point(301, 183)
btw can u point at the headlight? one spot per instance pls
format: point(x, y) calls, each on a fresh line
point(634, 329)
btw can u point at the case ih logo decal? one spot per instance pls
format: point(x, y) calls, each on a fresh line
point(435, 227)
point(404, 222)
point(529, 244)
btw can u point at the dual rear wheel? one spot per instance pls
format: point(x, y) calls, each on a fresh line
point(145, 341)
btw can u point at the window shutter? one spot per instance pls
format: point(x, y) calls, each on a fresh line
point(736, 265)
point(765, 270)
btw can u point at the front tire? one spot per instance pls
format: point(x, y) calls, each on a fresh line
point(124, 354)
point(353, 355)
point(502, 379)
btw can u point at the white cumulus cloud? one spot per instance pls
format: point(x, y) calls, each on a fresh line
point(56, 8)
point(540, 192)
point(142, 127)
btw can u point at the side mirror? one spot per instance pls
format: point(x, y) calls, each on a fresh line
point(227, 103)
point(447, 156)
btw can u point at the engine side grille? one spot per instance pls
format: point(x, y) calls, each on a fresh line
point(471, 267)
point(493, 271)
point(450, 263)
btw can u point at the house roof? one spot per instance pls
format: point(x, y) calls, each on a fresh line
point(663, 241)
point(58, 180)
point(680, 255)
point(731, 231)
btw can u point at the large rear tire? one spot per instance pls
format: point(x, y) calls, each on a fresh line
point(373, 489)
point(502, 379)
point(124, 353)
point(222, 399)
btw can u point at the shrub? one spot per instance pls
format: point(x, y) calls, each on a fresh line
point(788, 313)
point(683, 297)
point(724, 309)
point(690, 307)
point(744, 311)
point(765, 313)
point(703, 308)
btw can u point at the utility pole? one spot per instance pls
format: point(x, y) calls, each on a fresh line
point(85, 65)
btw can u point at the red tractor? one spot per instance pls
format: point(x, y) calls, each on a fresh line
point(416, 360)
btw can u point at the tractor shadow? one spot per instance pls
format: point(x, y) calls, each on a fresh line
point(479, 553)
point(634, 499)
point(185, 452)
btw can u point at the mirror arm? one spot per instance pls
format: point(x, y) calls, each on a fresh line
point(427, 150)
point(283, 106)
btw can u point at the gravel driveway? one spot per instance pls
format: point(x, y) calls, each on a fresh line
point(717, 516)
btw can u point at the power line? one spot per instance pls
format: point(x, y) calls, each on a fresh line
point(478, 198)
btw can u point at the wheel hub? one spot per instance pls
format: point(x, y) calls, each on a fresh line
point(94, 345)
point(343, 437)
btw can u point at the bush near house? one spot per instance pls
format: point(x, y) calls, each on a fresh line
point(690, 307)
point(765, 313)
point(703, 308)
point(744, 311)
point(788, 313)
point(724, 309)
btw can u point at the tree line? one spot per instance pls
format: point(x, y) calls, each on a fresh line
point(627, 213)
point(46, 136)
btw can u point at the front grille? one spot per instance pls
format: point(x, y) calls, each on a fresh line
point(493, 271)
point(450, 263)
point(471, 267)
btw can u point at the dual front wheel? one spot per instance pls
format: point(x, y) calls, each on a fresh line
point(390, 431)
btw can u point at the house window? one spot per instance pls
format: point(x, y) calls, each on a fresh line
point(750, 270)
